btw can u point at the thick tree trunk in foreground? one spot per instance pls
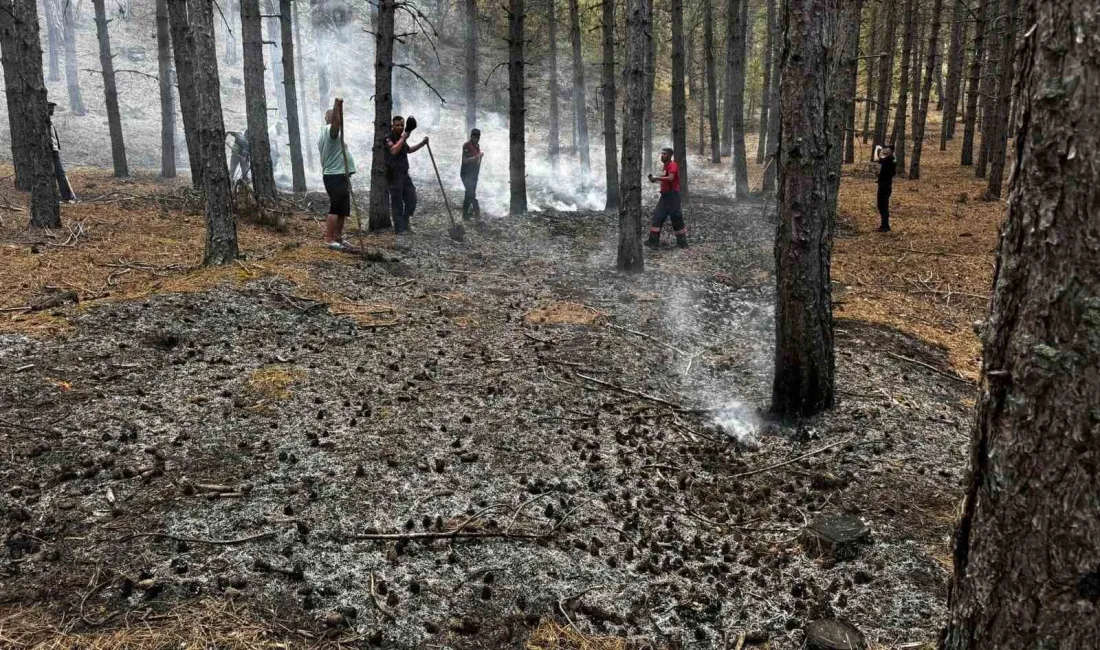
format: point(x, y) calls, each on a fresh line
point(255, 99)
point(183, 47)
point(804, 360)
point(771, 165)
point(554, 138)
point(471, 63)
point(110, 92)
point(737, 102)
point(1027, 547)
point(221, 229)
point(610, 148)
point(579, 101)
point(22, 54)
point(517, 140)
point(383, 113)
point(898, 136)
point(853, 90)
point(72, 71)
point(998, 144)
point(886, 74)
point(679, 102)
point(933, 56)
point(290, 88)
point(954, 73)
point(167, 103)
point(712, 80)
point(765, 90)
point(634, 78)
point(973, 87)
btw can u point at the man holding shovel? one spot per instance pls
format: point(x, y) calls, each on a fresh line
point(471, 168)
point(402, 190)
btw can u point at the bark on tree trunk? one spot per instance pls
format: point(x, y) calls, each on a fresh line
point(954, 73)
point(1027, 547)
point(229, 38)
point(999, 142)
point(611, 152)
point(771, 165)
point(974, 86)
point(650, 82)
point(383, 113)
point(579, 102)
point(700, 93)
point(49, 12)
point(305, 93)
point(255, 98)
point(634, 78)
point(554, 139)
point(737, 101)
point(221, 229)
point(988, 99)
point(72, 71)
point(517, 140)
point(804, 360)
point(110, 92)
point(167, 103)
point(869, 90)
point(712, 80)
point(765, 90)
point(278, 77)
point(290, 88)
point(885, 75)
point(679, 102)
point(183, 47)
point(898, 136)
point(853, 83)
point(933, 60)
point(733, 19)
point(471, 64)
point(915, 67)
point(22, 57)
point(842, 47)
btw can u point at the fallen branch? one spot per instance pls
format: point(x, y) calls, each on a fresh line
point(932, 368)
point(377, 603)
point(793, 460)
point(628, 391)
point(196, 540)
point(647, 336)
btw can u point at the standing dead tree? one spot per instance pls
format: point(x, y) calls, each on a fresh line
point(110, 91)
point(611, 151)
point(255, 98)
point(629, 256)
point(1027, 547)
point(517, 139)
point(167, 103)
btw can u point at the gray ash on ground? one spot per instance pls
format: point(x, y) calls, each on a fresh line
point(461, 413)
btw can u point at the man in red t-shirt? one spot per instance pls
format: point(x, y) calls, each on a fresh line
point(668, 206)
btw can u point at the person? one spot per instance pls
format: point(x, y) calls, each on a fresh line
point(240, 156)
point(63, 186)
point(337, 168)
point(471, 167)
point(402, 190)
point(668, 206)
point(888, 166)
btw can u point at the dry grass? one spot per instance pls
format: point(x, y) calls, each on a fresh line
point(563, 313)
point(552, 635)
point(274, 382)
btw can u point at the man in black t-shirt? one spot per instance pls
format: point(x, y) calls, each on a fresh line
point(402, 190)
point(887, 168)
point(469, 171)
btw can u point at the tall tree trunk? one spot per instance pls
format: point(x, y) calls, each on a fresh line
point(869, 91)
point(255, 99)
point(383, 113)
point(229, 38)
point(221, 229)
point(898, 136)
point(737, 100)
point(110, 92)
point(974, 85)
point(554, 139)
point(701, 84)
point(954, 73)
point(22, 58)
point(183, 47)
point(290, 87)
point(72, 71)
point(471, 64)
point(853, 89)
point(999, 142)
point(733, 21)
point(804, 357)
point(611, 152)
point(842, 47)
point(915, 67)
point(272, 29)
point(306, 106)
point(886, 74)
point(579, 101)
point(517, 142)
point(679, 102)
point(765, 90)
point(167, 102)
point(1027, 548)
point(712, 80)
point(988, 99)
point(933, 56)
point(49, 12)
point(650, 83)
point(771, 165)
point(634, 78)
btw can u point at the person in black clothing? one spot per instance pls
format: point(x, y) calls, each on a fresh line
point(63, 186)
point(887, 168)
point(402, 190)
point(471, 167)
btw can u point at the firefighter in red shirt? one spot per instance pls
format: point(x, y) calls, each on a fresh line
point(668, 206)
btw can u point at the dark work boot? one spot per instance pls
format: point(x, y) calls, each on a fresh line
point(654, 240)
point(682, 241)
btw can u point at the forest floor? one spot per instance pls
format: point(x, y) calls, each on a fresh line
point(576, 458)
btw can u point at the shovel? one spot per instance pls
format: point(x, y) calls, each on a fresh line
point(457, 231)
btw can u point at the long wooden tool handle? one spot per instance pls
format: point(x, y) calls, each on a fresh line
point(440, 179)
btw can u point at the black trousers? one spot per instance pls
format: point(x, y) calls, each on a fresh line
point(668, 207)
point(884, 206)
point(63, 186)
point(470, 205)
point(402, 202)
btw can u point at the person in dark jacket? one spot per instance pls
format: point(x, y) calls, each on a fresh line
point(402, 190)
point(888, 166)
point(63, 186)
point(471, 167)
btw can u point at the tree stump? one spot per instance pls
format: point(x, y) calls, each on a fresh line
point(831, 634)
point(835, 536)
